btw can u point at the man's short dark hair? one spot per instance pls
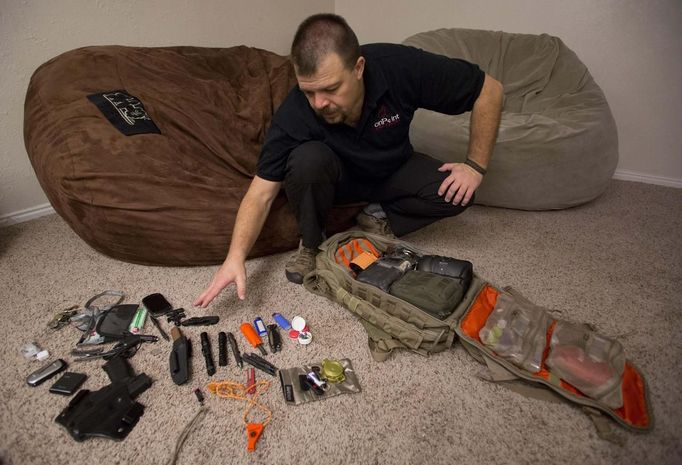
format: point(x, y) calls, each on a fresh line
point(319, 35)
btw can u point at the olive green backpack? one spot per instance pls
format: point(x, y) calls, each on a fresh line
point(392, 323)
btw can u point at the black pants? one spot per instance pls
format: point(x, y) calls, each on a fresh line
point(316, 179)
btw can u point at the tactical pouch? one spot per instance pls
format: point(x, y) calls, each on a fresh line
point(435, 294)
point(516, 339)
point(461, 270)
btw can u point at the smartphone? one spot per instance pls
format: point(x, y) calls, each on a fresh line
point(156, 305)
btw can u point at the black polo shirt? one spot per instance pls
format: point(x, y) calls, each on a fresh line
point(398, 80)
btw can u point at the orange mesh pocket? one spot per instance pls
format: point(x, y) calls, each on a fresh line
point(479, 312)
point(349, 251)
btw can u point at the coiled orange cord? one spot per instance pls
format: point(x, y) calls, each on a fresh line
point(238, 391)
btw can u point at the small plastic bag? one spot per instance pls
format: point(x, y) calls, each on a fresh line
point(296, 393)
point(590, 362)
point(517, 331)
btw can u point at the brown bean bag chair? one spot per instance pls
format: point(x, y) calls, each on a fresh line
point(558, 144)
point(167, 198)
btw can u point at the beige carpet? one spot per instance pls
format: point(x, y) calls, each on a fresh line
point(616, 263)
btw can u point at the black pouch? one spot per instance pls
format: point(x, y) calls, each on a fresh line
point(435, 294)
point(113, 324)
point(383, 272)
point(447, 266)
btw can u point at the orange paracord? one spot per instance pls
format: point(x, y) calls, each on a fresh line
point(238, 391)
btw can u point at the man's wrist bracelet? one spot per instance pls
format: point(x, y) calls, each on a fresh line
point(478, 168)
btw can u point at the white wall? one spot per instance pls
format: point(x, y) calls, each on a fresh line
point(633, 49)
point(33, 31)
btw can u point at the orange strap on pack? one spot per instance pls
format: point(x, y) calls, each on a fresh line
point(347, 252)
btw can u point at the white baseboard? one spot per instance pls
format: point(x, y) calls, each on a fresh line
point(627, 175)
point(26, 215)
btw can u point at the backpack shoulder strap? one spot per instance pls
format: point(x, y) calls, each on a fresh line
point(381, 344)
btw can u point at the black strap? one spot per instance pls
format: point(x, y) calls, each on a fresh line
point(478, 168)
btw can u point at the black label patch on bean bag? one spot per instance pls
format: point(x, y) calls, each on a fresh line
point(125, 112)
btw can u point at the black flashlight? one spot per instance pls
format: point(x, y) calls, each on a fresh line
point(208, 356)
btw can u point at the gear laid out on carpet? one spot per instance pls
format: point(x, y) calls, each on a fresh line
point(409, 299)
point(404, 297)
point(114, 331)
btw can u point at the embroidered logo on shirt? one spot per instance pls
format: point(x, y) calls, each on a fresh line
point(385, 119)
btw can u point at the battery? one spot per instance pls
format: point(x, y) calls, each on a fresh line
point(260, 326)
point(138, 320)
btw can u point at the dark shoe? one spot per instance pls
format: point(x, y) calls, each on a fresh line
point(373, 225)
point(300, 264)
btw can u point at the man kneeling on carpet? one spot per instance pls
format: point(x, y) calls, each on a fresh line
point(342, 136)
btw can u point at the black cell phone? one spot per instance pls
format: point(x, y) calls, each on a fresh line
point(156, 304)
point(68, 383)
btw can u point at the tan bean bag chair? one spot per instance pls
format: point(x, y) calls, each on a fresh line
point(557, 146)
point(167, 198)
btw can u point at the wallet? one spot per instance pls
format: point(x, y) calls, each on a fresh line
point(68, 383)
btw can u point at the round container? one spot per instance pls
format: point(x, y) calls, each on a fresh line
point(333, 371)
point(298, 323)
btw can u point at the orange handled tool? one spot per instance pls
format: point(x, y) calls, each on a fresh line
point(252, 336)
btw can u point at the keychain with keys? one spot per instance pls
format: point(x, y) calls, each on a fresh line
point(62, 318)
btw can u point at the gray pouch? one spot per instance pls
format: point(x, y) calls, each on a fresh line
point(295, 394)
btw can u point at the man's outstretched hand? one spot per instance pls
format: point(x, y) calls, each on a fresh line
point(230, 272)
point(461, 184)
